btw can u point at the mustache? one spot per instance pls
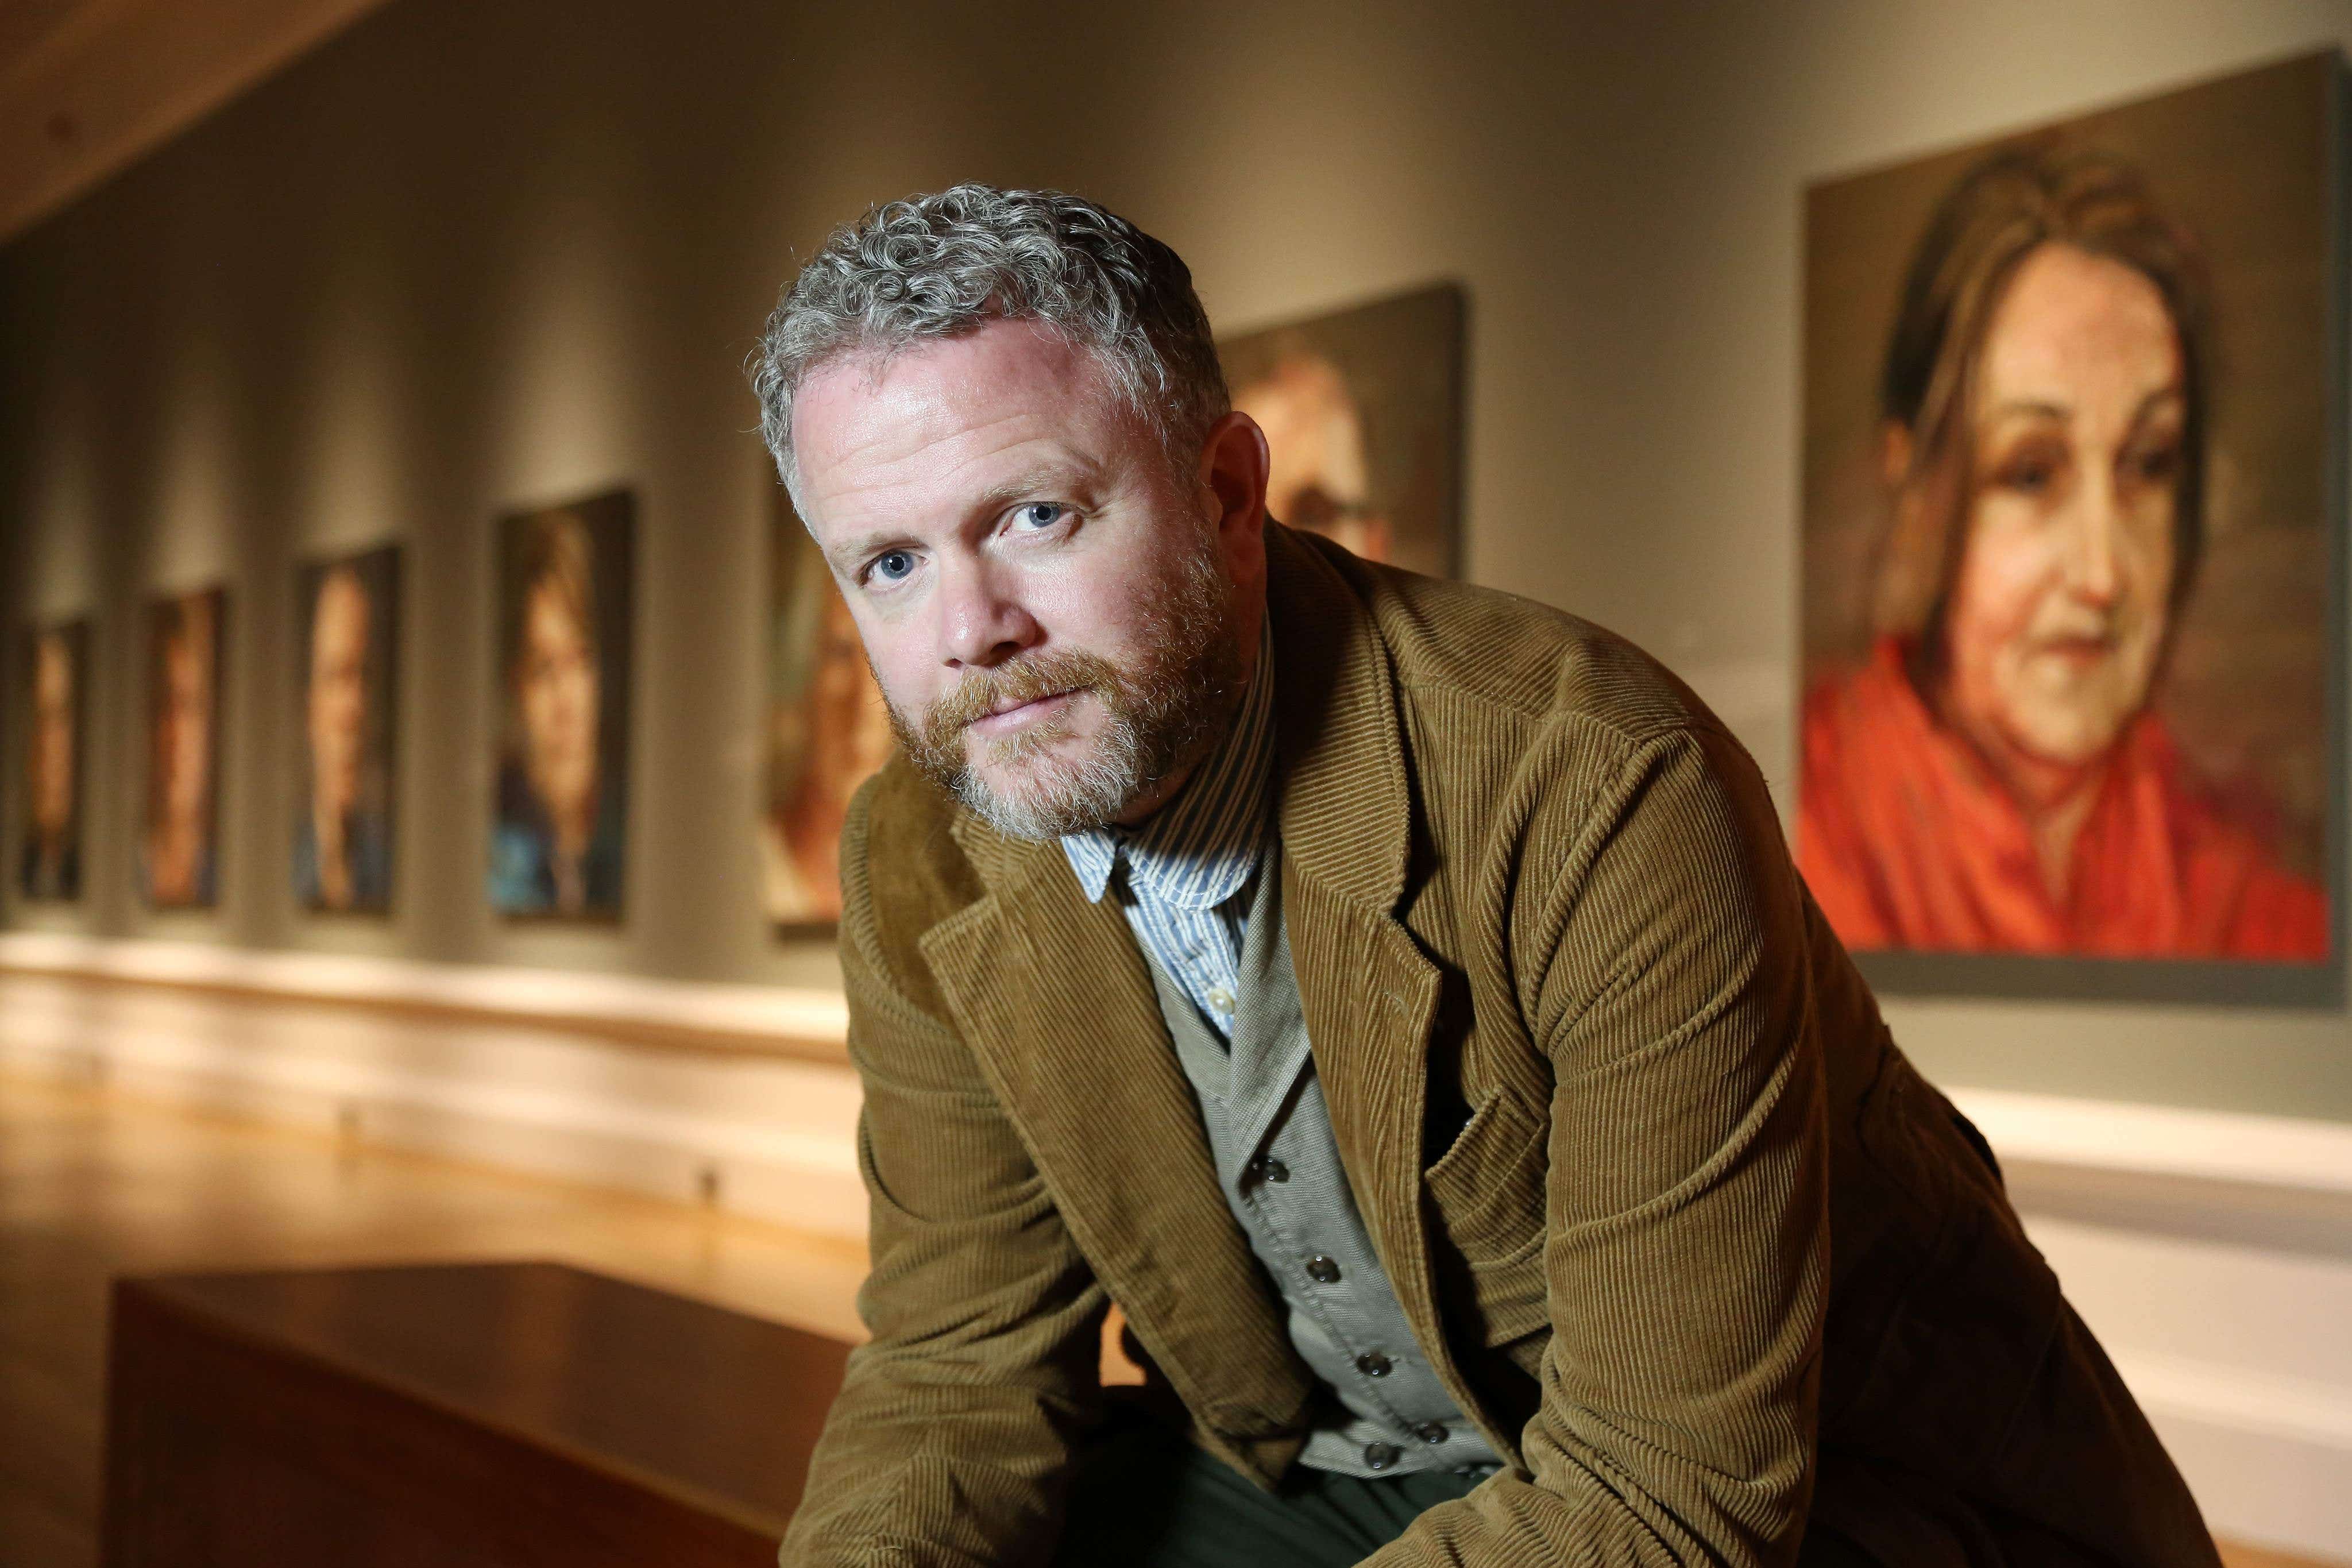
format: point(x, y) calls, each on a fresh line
point(1026, 680)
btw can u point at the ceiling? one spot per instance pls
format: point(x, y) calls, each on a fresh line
point(87, 86)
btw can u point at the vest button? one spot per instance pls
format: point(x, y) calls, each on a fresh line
point(1322, 1270)
point(1381, 1456)
point(1373, 1363)
point(1430, 1432)
point(1273, 1170)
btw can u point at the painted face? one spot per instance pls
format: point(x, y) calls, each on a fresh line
point(556, 680)
point(1047, 609)
point(185, 750)
point(338, 705)
point(2060, 608)
point(52, 752)
point(849, 724)
point(1319, 480)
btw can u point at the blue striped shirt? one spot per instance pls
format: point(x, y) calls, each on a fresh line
point(1184, 877)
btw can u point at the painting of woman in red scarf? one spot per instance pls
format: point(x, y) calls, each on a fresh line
point(1997, 774)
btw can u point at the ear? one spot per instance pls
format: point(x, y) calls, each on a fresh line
point(1232, 479)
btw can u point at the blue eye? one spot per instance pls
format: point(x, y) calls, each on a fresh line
point(1040, 514)
point(892, 566)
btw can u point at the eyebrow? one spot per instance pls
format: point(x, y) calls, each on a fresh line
point(848, 557)
point(2043, 406)
point(1073, 474)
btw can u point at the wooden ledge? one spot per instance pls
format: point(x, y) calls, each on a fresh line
point(797, 1023)
point(2289, 1152)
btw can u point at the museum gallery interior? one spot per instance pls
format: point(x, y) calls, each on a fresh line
point(428, 1124)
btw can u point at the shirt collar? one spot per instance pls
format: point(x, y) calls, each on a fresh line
point(1199, 849)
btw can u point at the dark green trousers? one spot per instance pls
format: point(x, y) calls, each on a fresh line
point(1144, 1497)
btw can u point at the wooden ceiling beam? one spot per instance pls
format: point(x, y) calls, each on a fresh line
point(88, 87)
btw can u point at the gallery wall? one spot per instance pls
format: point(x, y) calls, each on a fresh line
point(482, 255)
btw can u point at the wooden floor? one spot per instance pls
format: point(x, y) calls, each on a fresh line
point(94, 1184)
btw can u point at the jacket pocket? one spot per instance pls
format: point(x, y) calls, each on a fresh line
point(1488, 1187)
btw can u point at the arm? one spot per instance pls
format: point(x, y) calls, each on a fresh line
point(949, 1439)
point(1686, 1234)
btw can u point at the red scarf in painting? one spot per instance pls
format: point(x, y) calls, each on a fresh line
point(1907, 842)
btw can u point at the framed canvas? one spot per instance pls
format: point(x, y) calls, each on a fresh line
point(558, 836)
point(826, 731)
point(1362, 412)
point(2072, 534)
point(179, 840)
point(56, 683)
point(346, 653)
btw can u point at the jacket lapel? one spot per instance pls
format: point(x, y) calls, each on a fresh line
point(1368, 992)
point(1058, 1003)
point(1056, 999)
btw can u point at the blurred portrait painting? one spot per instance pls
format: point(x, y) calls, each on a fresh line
point(558, 838)
point(179, 840)
point(2068, 542)
point(347, 615)
point(1362, 415)
point(827, 730)
point(49, 860)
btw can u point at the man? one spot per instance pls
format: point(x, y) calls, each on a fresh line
point(1395, 995)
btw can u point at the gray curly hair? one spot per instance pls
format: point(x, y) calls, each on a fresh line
point(939, 266)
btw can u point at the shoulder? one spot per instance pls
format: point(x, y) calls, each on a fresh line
point(1487, 654)
point(1526, 737)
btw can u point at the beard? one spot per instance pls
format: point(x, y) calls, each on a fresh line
point(1160, 714)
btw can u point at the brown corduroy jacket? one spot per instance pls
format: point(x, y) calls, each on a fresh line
point(1672, 1218)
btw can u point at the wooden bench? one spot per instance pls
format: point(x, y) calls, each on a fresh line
point(500, 1414)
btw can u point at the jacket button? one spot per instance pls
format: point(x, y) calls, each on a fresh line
point(1322, 1270)
point(1430, 1432)
point(1373, 1363)
point(1381, 1456)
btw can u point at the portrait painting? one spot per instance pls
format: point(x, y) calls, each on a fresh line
point(2071, 531)
point(347, 617)
point(1362, 415)
point(828, 729)
point(560, 831)
point(179, 841)
point(57, 675)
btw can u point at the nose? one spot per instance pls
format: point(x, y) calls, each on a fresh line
point(2093, 569)
point(980, 619)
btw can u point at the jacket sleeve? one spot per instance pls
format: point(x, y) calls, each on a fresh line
point(949, 1439)
point(1685, 1231)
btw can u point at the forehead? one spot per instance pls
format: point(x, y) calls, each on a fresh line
point(2074, 327)
point(340, 596)
point(912, 430)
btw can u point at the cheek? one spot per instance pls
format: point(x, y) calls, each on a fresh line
point(903, 667)
point(1102, 611)
point(2005, 575)
point(2149, 557)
